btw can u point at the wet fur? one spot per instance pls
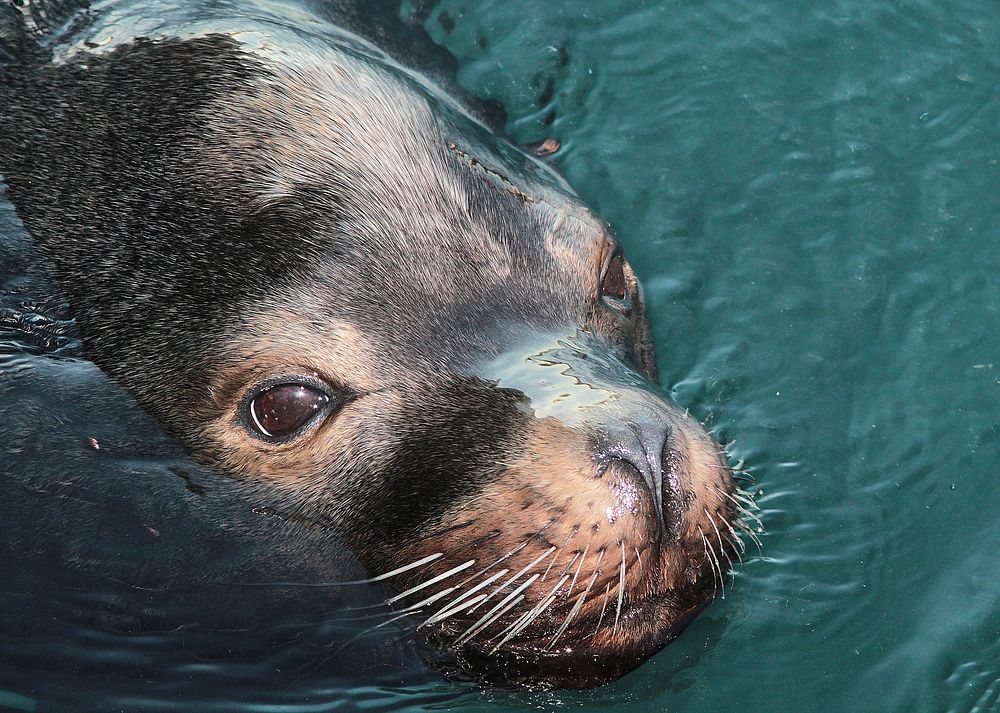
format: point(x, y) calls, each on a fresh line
point(210, 182)
point(216, 212)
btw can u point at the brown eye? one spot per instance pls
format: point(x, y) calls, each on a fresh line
point(282, 409)
point(614, 278)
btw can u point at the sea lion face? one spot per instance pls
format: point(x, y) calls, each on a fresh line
point(434, 349)
point(458, 373)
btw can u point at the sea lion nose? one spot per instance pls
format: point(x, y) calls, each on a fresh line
point(584, 383)
point(640, 444)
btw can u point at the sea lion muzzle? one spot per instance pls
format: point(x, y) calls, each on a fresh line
point(590, 540)
point(586, 384)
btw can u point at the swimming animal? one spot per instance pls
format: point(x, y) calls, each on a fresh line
point(403, 349)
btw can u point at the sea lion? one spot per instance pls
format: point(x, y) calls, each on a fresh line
point(378, 325)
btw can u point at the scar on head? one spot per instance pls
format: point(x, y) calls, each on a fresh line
point(475, 163)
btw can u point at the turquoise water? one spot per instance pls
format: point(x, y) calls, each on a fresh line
point(809, 192)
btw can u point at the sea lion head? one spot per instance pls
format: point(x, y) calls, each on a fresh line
point(322, 275)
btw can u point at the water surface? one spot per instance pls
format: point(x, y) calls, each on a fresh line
point(809, 192)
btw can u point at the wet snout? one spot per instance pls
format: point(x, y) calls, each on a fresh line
point(634, 450)
point(634, 433)
point(601, 533)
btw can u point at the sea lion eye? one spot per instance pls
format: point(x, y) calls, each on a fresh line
point(283, 409)
point(613, 285)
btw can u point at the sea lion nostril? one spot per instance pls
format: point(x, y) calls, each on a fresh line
point(640, 444)
point(632, 495)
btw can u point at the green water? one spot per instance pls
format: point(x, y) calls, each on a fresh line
point(810, 193)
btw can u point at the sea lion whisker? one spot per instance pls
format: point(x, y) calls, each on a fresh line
point(373, 616)
point(737, 543)
point(742, 510)
point(752, 516)
point(570, 563)
point(753, 536)
point(368, 617)
point(517, 576)
point(533, 614)
point(724, 552)
point(484, 624)
point(729, 560)
point(433, 580)
point(527, 620)
point(371, 629)
point(550, 565)
point(579, 602)
point(399, 570)
point(728, 502)
point(349, 582)
point(715, 578)
point(572, 585)
point(718, 564)
point(621, 588)
point(746, 499)
point(480, 625)
point(722, 545)
point(458, 600)
point(476, 627)
point(750, 506)
point(704, 542)
point(576, 608)
point(503, 557)
point(497, 561)
point(428, 601)
point(604, 606)
point(732, 497)
point(511, 630)
point(751, 509)
point(445, 613)
point(507, 633)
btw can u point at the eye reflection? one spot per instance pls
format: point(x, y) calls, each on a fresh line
point(281, 410)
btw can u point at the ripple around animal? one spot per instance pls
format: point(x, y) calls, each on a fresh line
point(809, 192)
